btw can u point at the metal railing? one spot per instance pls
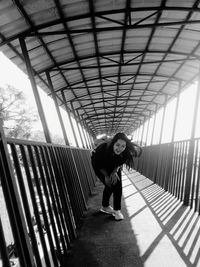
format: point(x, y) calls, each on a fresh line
point(46, 188)
point(175, 167)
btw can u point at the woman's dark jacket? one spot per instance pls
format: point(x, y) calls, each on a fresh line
point(104, 158)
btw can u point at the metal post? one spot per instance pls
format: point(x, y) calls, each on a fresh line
point(147, 130)
point(86, 139)
point(57, 108)
point(142, 132)
point(35, 90)
point(70, 119)
point(162, 123)
point(79, 131)
point(176, 114)
point(154, 123)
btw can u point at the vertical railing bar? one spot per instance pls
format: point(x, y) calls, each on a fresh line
point(194, 174)
point(163, 166)
point(32, 193)
point(3, 248)
point(46, 255)
point(156, 165)
point(25, 203)
point(176, 169)
point(60, 216)
point(13, 206)
point(180, 182)
point(185, 164)
point(44, 212)
point(92, 175)
point(64, 194)
point(91, 181)
point(86, 170)
point(165, 179)
point(50, 192)
point(182, 170)
point(74, 184)
point(179, 170)
point(81, 169)
point(170, 156)
point(173, 168)
point(197, 200)
point(70, 221)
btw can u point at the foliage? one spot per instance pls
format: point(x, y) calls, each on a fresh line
point(15, 113)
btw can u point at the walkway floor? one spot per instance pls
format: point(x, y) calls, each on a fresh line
point(158, 231)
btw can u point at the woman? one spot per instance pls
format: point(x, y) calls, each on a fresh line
point(107, 161)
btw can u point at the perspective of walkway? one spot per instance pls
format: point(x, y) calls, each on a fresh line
point(158, 231)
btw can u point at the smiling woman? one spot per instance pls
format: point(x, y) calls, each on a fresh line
point(107, 161)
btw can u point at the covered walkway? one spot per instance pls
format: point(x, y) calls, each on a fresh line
point(158, 231)
point(109, 66)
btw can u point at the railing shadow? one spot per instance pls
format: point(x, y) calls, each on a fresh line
point(166, 230)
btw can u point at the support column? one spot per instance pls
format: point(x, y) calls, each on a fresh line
point(142, 132)
point(147, 131)
point(163, 119)
point(70, 119)
point(137, 133)
point(176, 113)
point(81, 134)
point(74, 112)
point(35, 90)
point(57, 108)
point(86, 139)
point(154, 123)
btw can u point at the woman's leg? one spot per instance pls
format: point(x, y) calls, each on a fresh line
point(117, 193)
point(107, 192)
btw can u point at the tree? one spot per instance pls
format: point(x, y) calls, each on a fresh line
point(16, 114)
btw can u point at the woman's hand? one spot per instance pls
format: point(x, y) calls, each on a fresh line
point(114, 178)
point(108, 181)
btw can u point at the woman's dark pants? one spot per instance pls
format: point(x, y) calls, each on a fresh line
point(116, 190)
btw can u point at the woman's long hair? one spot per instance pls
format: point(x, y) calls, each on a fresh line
point(131, 151)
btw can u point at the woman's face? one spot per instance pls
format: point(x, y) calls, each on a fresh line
point(119, 146)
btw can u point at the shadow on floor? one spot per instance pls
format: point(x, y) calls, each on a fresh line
point(168, 232)
point(102, 241)
point(158, 231)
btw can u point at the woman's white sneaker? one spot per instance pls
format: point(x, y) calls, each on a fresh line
point(118, 215)
point(108, 210)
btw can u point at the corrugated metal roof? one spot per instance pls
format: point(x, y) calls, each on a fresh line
point(115, 61)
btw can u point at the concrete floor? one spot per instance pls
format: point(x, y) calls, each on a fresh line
point(158, 231)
